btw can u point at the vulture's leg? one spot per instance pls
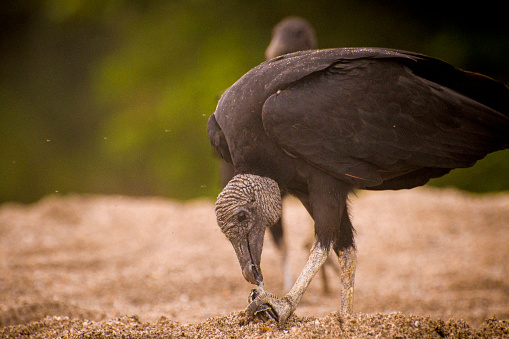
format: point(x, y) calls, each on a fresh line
point(326, 202)
point(323, 271)
point(347, 261)
point(325, 282)
point(283, 307)
point(278, 236)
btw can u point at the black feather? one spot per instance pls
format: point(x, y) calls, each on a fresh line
point(324, 122)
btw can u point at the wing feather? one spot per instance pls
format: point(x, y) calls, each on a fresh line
point(372, 120)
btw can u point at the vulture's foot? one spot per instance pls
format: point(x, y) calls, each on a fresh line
point(265, 306)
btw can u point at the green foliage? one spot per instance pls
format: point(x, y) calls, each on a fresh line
point(114, 96)
point(488, 175)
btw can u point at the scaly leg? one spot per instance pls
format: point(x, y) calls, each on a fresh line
point(347, 261)
point(287, 270)
point(284, 307)
point(277, 233)
point(279, 240)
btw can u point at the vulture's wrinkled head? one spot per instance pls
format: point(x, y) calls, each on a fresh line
point(244, 209)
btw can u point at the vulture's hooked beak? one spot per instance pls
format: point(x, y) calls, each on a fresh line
point(275, 48)
point(248, 205)
point(249, 254)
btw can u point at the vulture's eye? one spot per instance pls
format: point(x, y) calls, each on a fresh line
point(241, 216)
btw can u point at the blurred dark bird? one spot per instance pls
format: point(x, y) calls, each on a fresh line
point(292, 34)
point(321, 123)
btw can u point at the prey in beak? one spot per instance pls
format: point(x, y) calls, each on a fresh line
point(244, 209)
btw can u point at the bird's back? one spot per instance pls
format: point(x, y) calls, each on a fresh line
point(378, 118)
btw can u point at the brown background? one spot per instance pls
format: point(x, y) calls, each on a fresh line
point(423, 252)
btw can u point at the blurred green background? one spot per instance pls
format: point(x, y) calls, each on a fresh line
point(113, 96)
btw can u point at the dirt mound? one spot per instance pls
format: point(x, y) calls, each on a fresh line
point(29, 312)
point(77, 265)
point(233, 326)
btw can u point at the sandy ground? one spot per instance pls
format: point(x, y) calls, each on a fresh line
point(430, 263)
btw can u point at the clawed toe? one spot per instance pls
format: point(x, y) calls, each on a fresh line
point(264, 312)
point(265, 306)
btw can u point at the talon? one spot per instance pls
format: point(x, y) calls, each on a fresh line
point(266, 306)
point(252, 295)
point(263, 312)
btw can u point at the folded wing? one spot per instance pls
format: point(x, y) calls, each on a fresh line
point(389, 122)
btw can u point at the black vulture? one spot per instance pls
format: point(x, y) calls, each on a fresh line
point(292, 34)
point(319, 124)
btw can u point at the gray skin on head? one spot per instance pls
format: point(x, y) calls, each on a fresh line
point(245, 208)
point(291, 35)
